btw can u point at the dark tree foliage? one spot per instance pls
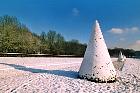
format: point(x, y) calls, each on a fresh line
point(73, 47)
point(129, 53)
point(43, 44)
point(137, 53)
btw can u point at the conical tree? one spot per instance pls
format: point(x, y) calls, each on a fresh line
point(97, 65)
point(121, 57)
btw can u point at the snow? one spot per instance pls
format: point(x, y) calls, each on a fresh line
point(59, 75)
point(97, 64)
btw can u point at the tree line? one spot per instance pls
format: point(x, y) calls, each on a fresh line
point(129, 53)
point(16, 37)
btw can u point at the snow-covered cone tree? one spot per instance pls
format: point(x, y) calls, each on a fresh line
point(121, 57)
point(97, 65)
point(124, 57)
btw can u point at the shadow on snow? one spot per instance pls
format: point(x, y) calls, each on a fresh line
point(71, 74)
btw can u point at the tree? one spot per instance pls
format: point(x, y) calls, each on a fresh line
point(43, 44)
point(43, 37)
point(55, 42)
point(51, 39)
point(59, 44)
point(8, 26)
point(127, 52)
point(73, 47)
point(16, 37)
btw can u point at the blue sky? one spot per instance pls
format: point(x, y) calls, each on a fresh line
point(119, 19)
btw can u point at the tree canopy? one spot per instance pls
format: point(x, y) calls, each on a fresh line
point(16, 37)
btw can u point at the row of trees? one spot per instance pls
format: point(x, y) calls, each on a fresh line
point(16, 37)
point(127, 52)
point(55, 43)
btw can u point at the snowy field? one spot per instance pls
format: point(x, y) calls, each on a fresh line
point(59, 75)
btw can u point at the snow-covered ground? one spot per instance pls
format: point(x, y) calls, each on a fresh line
point(59, 75)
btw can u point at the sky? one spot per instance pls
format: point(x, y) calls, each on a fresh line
point(74, 19)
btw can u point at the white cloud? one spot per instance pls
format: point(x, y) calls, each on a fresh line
point(125, 37)
point(133, 29)
point(75, 11)
point(136, 45)
point(123, 30)
point(138, 42)
point(116, 31)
